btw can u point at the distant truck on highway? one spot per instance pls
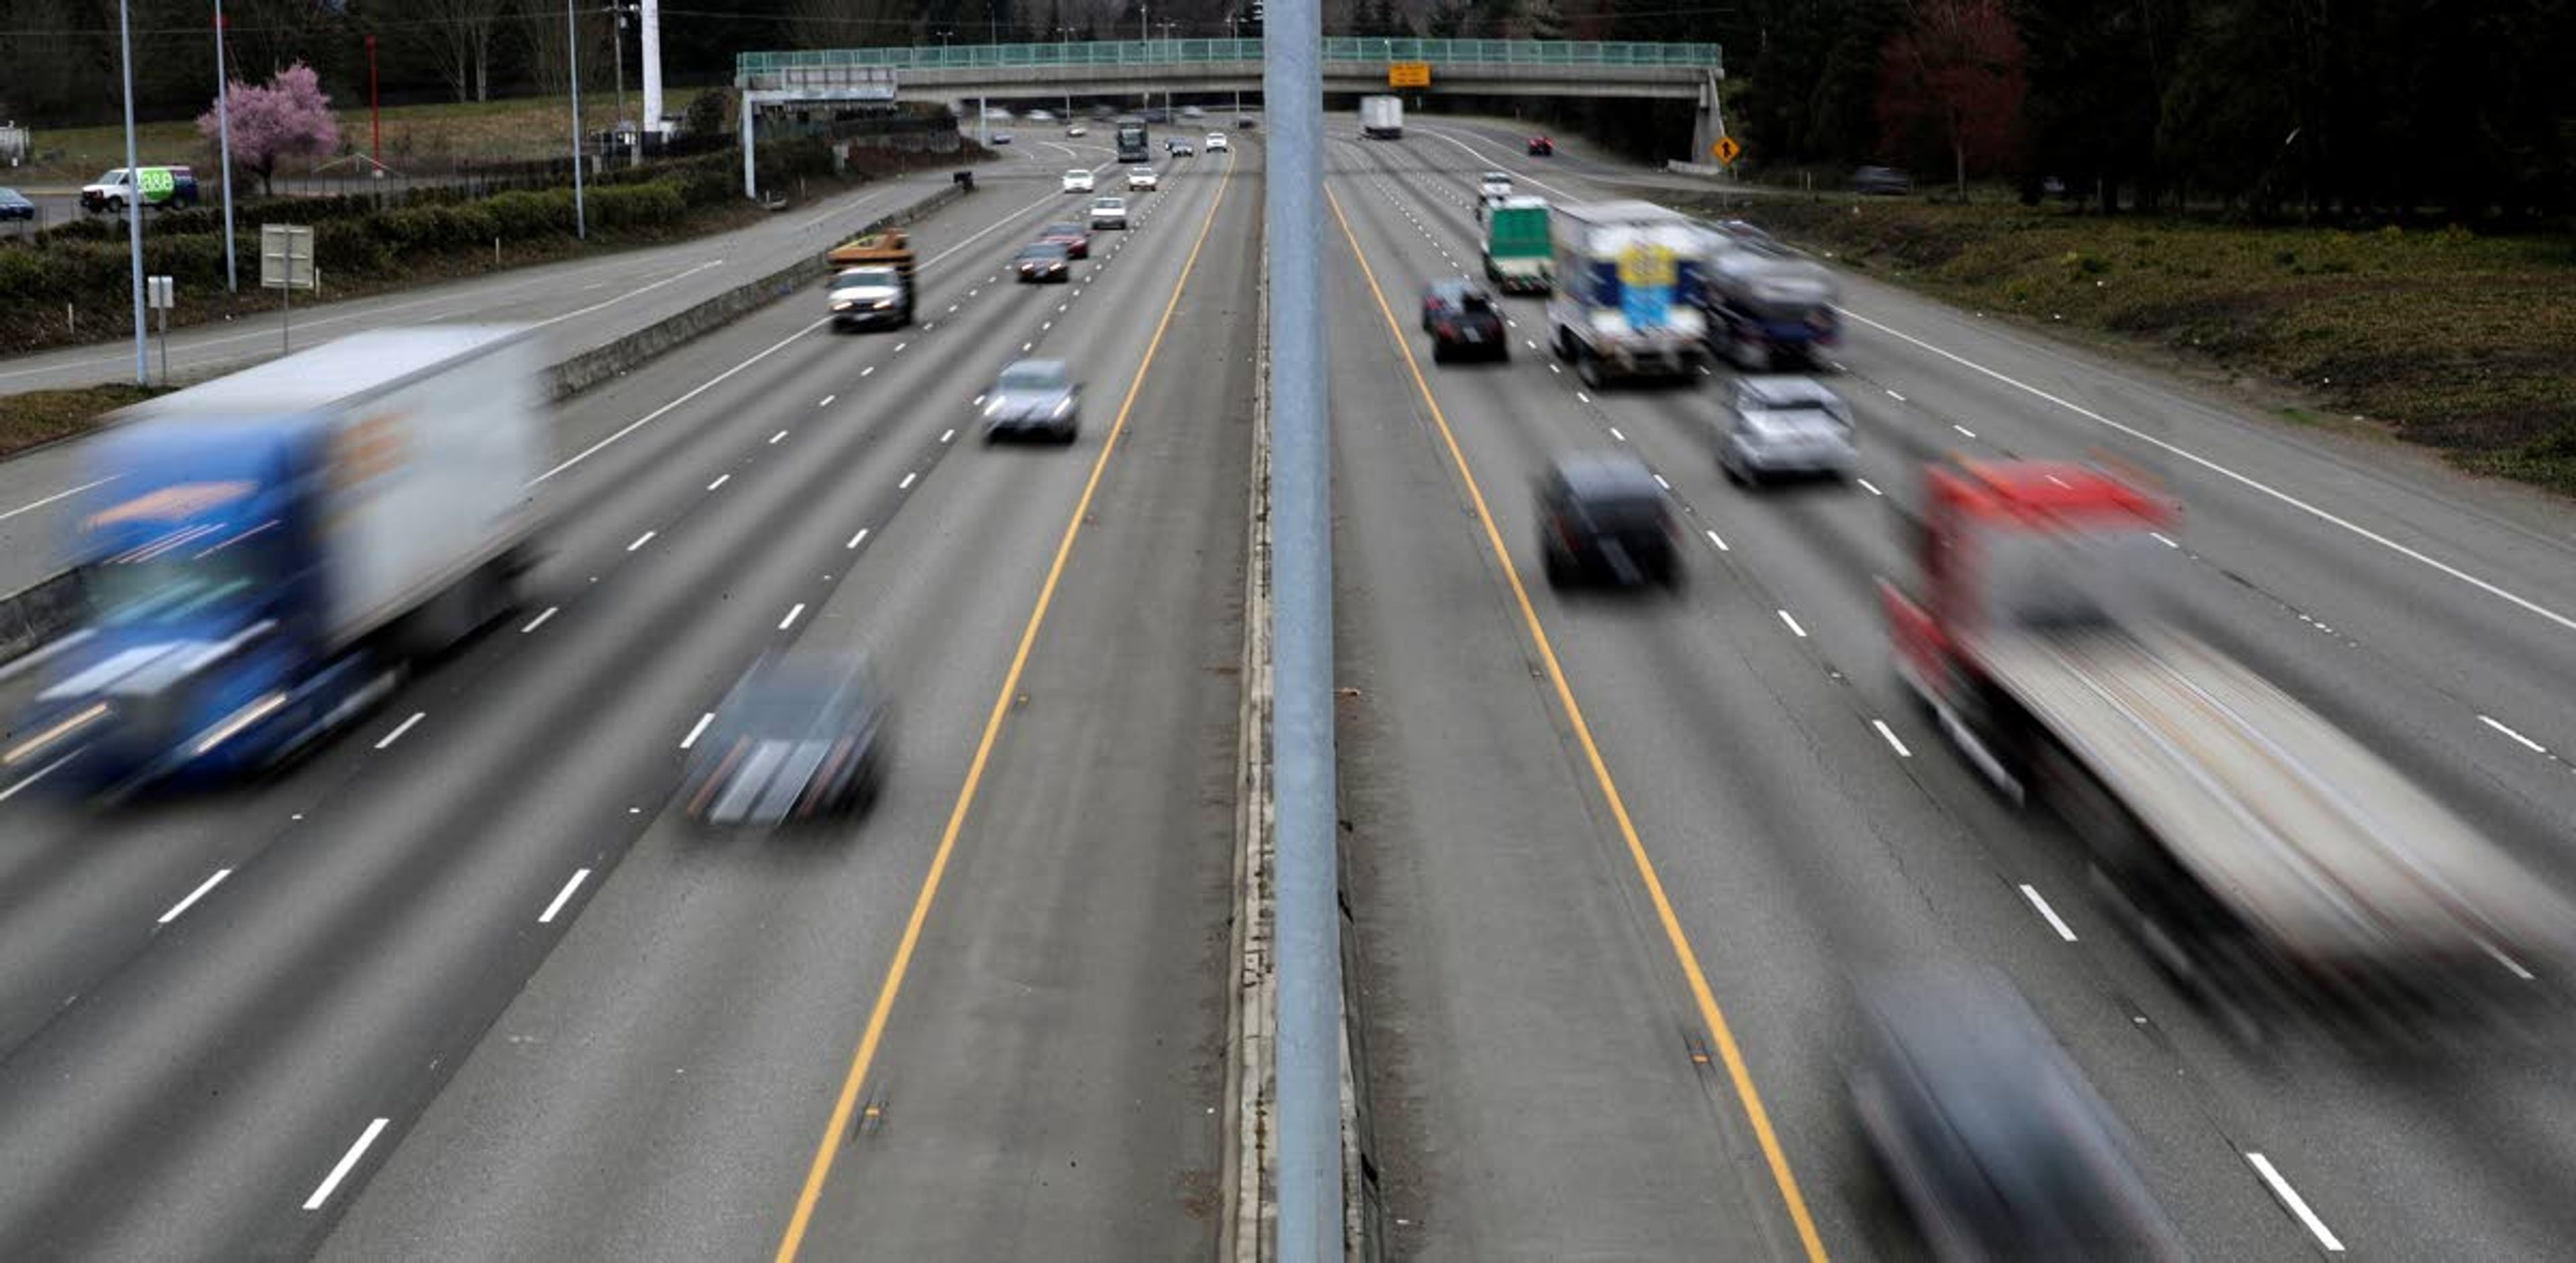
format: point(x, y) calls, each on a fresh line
point(1382, 117)
point(161, 188)
point(1132, 138)
point(1626, 273)
point(1520, 252)
point(2257, 852)
point(267, 552)
point(1767, 308)
point(872, 282)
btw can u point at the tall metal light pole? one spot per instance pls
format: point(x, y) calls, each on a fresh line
point(133, 196)
point(572, 49)
point(1067, 33)
point(224, 131)
point(1308, 1044)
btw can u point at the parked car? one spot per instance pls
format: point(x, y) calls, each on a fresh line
point(1781, 426)
point(1077, 180)
point(1462, 319)
point(797, 737)
point(1075, 239)
point(1996, 1146)
point(1604, 518)
point(13, 205)
point(1541, 147)
point(1885, 180)
point(1034, 397)
point(1043, 263)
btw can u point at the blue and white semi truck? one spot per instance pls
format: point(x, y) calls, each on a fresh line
point(1626, 277)
point(267, 553)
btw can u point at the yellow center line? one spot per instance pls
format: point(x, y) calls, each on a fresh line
point(821, 1170)
point(1673, 934)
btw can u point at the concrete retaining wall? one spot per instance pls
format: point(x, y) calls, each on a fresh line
point(32, 616)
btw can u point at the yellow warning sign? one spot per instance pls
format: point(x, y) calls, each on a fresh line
point(1726, 150)
point(1408, 74)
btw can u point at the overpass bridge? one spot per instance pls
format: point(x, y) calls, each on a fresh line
point(1351, 64)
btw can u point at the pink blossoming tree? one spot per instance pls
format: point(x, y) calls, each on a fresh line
point(289, 116)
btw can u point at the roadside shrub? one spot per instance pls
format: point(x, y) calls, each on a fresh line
point(636, 205)
point(522, 215)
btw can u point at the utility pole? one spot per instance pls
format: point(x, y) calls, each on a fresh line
point(224, 129)
point(375, 116)
point(133, 196)
point(617, 53)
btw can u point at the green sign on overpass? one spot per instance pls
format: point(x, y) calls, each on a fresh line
point(752, 68)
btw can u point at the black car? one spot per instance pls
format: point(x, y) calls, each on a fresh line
point(13, 205)
point(1996, 1146)
point(794, 739)
point(1462, 319)
point(1041, 262)
point(1603, 517)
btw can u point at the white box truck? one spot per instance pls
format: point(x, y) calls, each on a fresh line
point(1382, 117)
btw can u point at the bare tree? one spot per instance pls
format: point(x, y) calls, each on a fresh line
point(456, 36)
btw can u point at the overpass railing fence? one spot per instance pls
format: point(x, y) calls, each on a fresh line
point(761, 69)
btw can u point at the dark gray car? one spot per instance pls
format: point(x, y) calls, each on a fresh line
point(1603, 517)
point(1034, 397)
point(796, 738)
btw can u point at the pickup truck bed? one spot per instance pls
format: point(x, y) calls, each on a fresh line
point(2313, 841)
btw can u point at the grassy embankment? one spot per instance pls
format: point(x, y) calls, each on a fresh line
point(428, 136)
point(2461, 342)
point(41, 416)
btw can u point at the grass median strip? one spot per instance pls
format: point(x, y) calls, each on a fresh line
point(37, 417)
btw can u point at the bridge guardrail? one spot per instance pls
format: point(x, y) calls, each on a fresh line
point(1164, 52)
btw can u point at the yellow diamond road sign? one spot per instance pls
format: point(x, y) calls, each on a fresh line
point(1726, 150)
point(1408, 74)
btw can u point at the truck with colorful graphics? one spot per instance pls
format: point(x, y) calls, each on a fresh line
point(1625, 276)
point(161, 188)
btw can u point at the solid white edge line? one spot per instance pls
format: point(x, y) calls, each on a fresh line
point(696, 729)
point(401, 728)
point(2526, 742)
point(347, 1160)
point(193, 896)
point(2298, 1205)
point(790, 620)
point(1890, 734)
point(857, 539)
point(1793, 625)
point(563, 896)
point(2031, 893)
point(642, 540)
point(2526, 604)
point(539, 620)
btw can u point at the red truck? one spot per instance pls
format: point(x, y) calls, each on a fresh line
point(2258, 852)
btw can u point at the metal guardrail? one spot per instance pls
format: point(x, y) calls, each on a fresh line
point(1169, 52)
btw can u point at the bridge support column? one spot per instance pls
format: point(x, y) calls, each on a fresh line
point(1708, 122)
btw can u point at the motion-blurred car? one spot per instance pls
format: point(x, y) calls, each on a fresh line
point(1108, 213)
point(1075, 239)
point(866, 297)
point(1541, 147)
point(1883, 180)
point(1077, 180)
point(1034, 397)
point(1245, 123)
point(14, 205)
point(1001, 138)
point(1603, 517)
point(1994, 1142)
point(1042, 263)
point(1494, 184)
point(1192, 111)
point(1077, 130)
point(1462, 320)
point(1780, 426)
point(1178, 148)
point(1143, 179)
point(1217, 142)
point(796, 738)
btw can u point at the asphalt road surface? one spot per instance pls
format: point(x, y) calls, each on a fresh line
point(574, 305)
point(1546, 1082)
point(463, 986)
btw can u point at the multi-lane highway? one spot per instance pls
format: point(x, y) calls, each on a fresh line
point(1731, 785)
point(462, 987)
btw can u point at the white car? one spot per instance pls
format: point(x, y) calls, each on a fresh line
point(1495, 184)
point(1782, 426)
point(1108, 212)
point(1217, 141)
point(1077, 130)
point(1077, 180)
point(1143, 179)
